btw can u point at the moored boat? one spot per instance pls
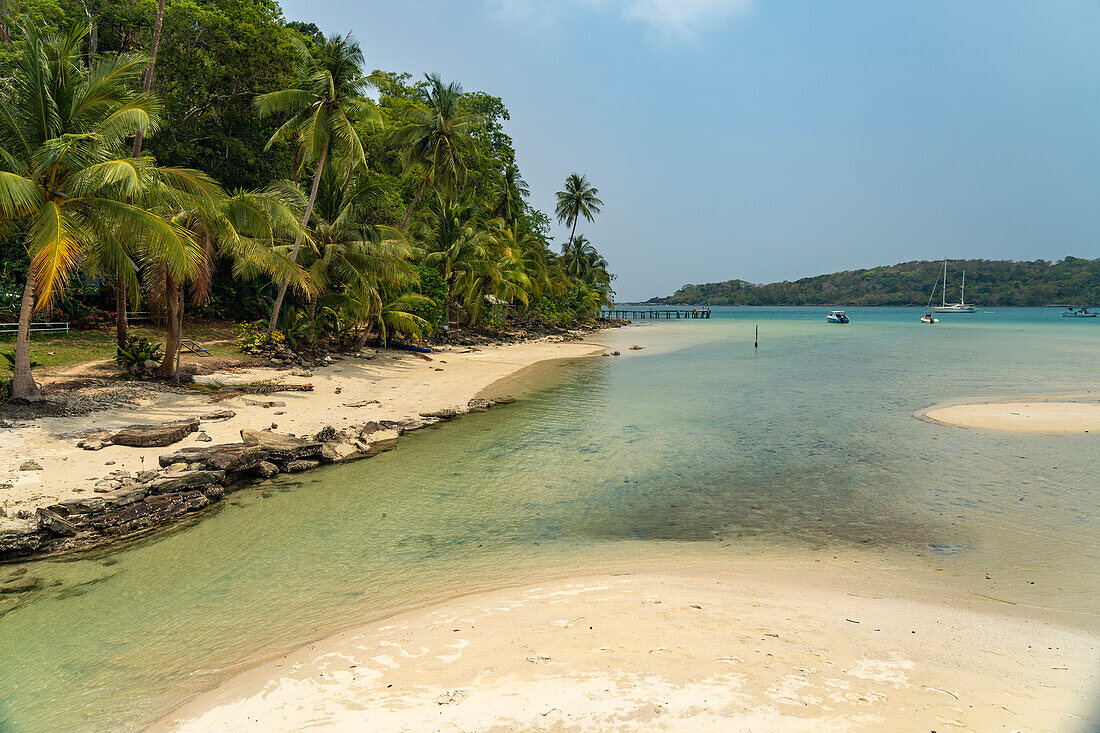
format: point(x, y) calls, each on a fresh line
point(961, 306)
point(929, 318)
point(1078, 313)
point(837, 317)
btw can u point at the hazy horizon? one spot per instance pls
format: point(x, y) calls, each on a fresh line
point(753, 140)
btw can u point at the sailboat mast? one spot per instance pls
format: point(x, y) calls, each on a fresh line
point(962, 290)
point(943, 293)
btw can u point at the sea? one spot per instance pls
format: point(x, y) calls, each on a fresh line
point(700, 443)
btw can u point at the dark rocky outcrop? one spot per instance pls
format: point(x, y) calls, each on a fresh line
point(193, 478)
point(279, 447)
point(445, 414)
point(154, 436)
point(228, 457)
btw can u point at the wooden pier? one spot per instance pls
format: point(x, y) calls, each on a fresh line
point(643, 314)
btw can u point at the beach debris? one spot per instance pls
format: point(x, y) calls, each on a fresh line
point(362, 404)
point(222, 391)
point(946, 692)
point(154, 436)
point(538, 659)
point(338, 390)
point(218, 415)
point(439, 369)
point(266, 404)
point(30, 465)
point(450, 697)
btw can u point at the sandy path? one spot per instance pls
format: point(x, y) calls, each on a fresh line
point(712, 651)
point(403, 384)
point(1038, 416)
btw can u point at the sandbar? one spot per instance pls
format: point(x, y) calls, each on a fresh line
point(1038, 416)
point(692, 651)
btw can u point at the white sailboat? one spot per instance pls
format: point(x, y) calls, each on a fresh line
point(961, 306)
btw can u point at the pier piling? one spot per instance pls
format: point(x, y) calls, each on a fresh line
point(643, 314)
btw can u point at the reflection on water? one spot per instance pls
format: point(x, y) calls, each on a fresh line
point(805, 445)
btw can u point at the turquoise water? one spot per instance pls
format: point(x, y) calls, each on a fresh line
point(697, 444)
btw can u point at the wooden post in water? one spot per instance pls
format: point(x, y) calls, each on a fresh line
point(756, 343)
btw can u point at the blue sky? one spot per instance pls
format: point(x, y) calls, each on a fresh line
point(771, 140)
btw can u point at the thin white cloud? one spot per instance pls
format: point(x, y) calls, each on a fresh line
point(678, 19)
point(683, 18)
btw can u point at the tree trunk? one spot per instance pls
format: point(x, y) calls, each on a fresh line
point(313, 318)
point(361, 339)
point(574, 231)
point(122, 326)
point(416, 199)
point(23, 388)
point(173, 295)
point(298, 240)
point(148, 85)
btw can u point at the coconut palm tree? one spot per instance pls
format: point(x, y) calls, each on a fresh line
point(456, 240)
point(324, 105)
point(244, 229)
point(582, 261)
point(437, 138)
point(578, 199)
point(346, 254)
point(67, 186)
point(511, 193)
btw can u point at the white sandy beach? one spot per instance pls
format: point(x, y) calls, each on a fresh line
point(403, 384)
point(700, 649)
point(1038, 416)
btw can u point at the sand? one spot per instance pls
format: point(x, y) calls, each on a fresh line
point(1056, 416)
point(403, 384)
point(701, 649)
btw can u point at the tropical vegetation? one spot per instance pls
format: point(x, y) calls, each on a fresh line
point(211, 159)
point(1071, 281)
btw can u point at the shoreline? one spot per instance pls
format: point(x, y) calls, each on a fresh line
point(356, 406)
point(1075, 414)
point(619, 648)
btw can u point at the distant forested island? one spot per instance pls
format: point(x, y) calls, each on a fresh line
point(1072, 281)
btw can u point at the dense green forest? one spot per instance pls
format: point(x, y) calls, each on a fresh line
point(209, 157)
point(1072, 281)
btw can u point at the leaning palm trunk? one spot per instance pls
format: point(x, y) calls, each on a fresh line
point(173, 297)
point(23, 387)
point(416, 199)
point(298, 239)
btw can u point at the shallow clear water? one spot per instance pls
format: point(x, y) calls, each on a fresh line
point(697, 444)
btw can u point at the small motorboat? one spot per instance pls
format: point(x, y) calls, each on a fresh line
point(836, 317)
point(929, 318)
point(1078, 313)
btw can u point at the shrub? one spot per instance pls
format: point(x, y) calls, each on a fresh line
point(136, 354)
point(255, 338)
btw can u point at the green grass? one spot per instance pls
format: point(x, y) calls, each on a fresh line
point(56, 351)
